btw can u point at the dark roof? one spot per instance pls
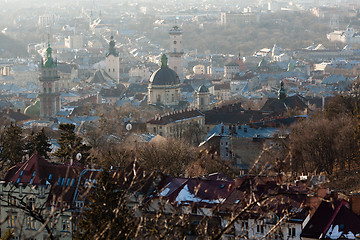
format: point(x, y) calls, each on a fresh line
point(287, 198)
point(137, 88)
point(332, 220)
point(233, 64)
point(203, 89)
point(280, 106)
point(65, 68)
point(194, 191)
point(16, 116)
point(100, 76)
point(176, 116)
point(164, 76)
point(38, 171)
point(233, 114)
point(112, 92)
point(225, 86)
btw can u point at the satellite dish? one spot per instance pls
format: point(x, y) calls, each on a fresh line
point(78, 156)
point(128, 126)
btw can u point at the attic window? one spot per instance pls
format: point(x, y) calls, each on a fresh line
point(50, 176)
point(18, 180)
point(72, 182)
point(59, 181)
point(21, 173)
point(63, 181)
point(68, 182)
point(33, 175)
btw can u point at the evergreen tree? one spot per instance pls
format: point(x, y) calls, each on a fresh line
point(39, 142)
point(12, 146)
point(71, 145)
point(108, 215)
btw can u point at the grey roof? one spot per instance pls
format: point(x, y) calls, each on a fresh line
point(164, 76)
point(203, 89)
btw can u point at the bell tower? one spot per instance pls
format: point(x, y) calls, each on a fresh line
point(203, 98)
point(113, 61)
point(49, 91)
point(176, 51)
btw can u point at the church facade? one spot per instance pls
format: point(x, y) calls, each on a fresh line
point(164, 86)
point(113, 61)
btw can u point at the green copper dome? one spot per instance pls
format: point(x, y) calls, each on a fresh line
point(282, 93)
point(33, 110)
point(203, 89)
point(49, 62)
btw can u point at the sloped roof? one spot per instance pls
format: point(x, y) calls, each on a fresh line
point(233, 114)
point(164, 76)
point(194, 191)
point(333, 220)
point(100, 76)
point(177, 116)
point(280, 106)
point(38, 171)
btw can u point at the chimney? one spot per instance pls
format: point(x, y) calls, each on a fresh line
point(245, 129)
point(222, 130)
point(355, 203)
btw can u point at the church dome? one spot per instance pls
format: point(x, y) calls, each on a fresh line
point(203, 89)
point(33, 110)
point(164, 75)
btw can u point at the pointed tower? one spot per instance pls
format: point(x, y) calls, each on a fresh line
point(49, 91)
point(203, 98)
point(176, 51)
point(113, 61)
point(282, 93)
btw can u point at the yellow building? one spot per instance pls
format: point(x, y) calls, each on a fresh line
point(174, 124)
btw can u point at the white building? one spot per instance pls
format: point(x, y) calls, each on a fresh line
point(176, 51)
point(113, 61)
point(347, 36)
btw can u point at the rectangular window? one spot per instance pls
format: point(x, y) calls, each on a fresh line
point(260, 228)
point(31, 203)
point(30, 223)
point(11, 201)
point(12, 221)
point(292, 232)
point(66, 225)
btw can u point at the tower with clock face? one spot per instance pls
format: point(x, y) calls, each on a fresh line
point(176, 51)
point(49, 95)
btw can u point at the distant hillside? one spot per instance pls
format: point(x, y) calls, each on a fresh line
point(10, 47)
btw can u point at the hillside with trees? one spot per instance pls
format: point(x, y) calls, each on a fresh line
point(10, 47)
point(290, 30)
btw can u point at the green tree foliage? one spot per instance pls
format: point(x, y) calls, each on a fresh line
point(108, 215)
point(71, 144)
point(12, 146)
point(39, 142)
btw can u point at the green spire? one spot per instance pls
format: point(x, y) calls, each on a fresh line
point(282, 94)
point(49, 62)
point(112, 49)
point(164, 60)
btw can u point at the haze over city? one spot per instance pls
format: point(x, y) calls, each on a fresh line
point(179, 119)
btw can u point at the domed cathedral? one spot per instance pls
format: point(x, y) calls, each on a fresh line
point(49, 95)
point(176, 51)
point(164, 86)
point(203, 98)
point(113, 61)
